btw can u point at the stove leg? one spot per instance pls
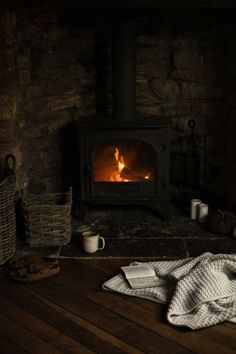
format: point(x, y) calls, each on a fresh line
point(82, 210)
point(165, 209)
point(162, 208)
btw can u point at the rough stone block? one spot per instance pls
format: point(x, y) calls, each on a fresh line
point(66, 102)
point(23, 62)
point(208, 108)
point(7, 135)
point(165, 88)
point(48, 142)
point(24, 77)
point(160, 52)
point(8, 106)
point(45, 185)
point(189, 56)
point(49, 88)
point(6, 148)
point(46, 169)
point(196, 75)
point(148, 70)
point(46, 18)
point(147, 40)
point(150, 109)
point(145, 94)
point(196, 90)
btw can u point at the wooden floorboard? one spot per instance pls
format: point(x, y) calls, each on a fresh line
point(71, 313)
point(108, 321)
point(35, 324)
point(7, 346)
point(77, 331)
point(24, 338)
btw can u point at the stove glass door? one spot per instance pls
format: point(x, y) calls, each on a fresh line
point(124, 161)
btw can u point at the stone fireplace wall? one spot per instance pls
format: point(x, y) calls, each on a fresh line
point(61, 70)
point(9, 93)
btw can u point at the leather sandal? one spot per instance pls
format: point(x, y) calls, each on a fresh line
point(30, 268)
point(32, 273)
point(23, 261)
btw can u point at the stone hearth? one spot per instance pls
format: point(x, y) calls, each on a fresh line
point(139, 233)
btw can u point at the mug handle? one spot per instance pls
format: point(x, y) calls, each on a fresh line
point(103, 243)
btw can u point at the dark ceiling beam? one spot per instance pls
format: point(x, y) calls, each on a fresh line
point(119, 4)
point(158, 4)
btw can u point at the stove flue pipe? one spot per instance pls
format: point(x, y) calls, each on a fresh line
point(124, 68)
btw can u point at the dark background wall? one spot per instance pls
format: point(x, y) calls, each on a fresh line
point(56, 67)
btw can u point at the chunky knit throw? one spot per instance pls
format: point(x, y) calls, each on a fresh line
point(200, 292)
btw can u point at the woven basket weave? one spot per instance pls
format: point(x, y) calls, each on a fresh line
point(7, 218)
point(48, 219)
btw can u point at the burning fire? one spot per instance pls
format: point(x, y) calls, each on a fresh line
point(120, 159)
point(121, 164)
point(124, 173)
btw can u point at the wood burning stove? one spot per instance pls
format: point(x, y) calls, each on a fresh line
point(125, 163)
point(124, 159)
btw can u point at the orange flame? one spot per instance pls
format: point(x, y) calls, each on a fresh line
point(121, 164)
point(120, 159)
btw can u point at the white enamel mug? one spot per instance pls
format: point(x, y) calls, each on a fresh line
point(91, 242)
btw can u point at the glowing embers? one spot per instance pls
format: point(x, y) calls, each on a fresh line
point(131, 161)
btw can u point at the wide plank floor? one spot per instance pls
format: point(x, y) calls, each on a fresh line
point(70, 313)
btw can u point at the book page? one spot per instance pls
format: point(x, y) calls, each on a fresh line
point(146, 282)
point(138, 271)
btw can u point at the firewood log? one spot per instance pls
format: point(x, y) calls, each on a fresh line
point(131, 175)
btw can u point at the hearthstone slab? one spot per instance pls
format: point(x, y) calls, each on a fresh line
point(138, 233)
point(125, 223)
point(215, 245)
point(126, 247)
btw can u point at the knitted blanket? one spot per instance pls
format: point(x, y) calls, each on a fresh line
point(200, 292)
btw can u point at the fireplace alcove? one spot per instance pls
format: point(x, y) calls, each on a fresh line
point(185, 69)
point(143, 180)
point(134, 149)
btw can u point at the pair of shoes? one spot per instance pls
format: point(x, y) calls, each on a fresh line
point(28, 269)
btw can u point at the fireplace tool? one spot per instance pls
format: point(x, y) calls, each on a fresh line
point(188, 166)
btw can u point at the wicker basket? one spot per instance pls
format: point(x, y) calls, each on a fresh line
point(48, 219)
point(7, 218)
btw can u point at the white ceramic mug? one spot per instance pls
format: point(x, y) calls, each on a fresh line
point(203, 213)
point(195, 208)
point(91, 241)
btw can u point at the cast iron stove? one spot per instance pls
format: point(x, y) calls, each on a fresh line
point(124, 159)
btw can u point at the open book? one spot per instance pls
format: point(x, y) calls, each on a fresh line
point(141, 276)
